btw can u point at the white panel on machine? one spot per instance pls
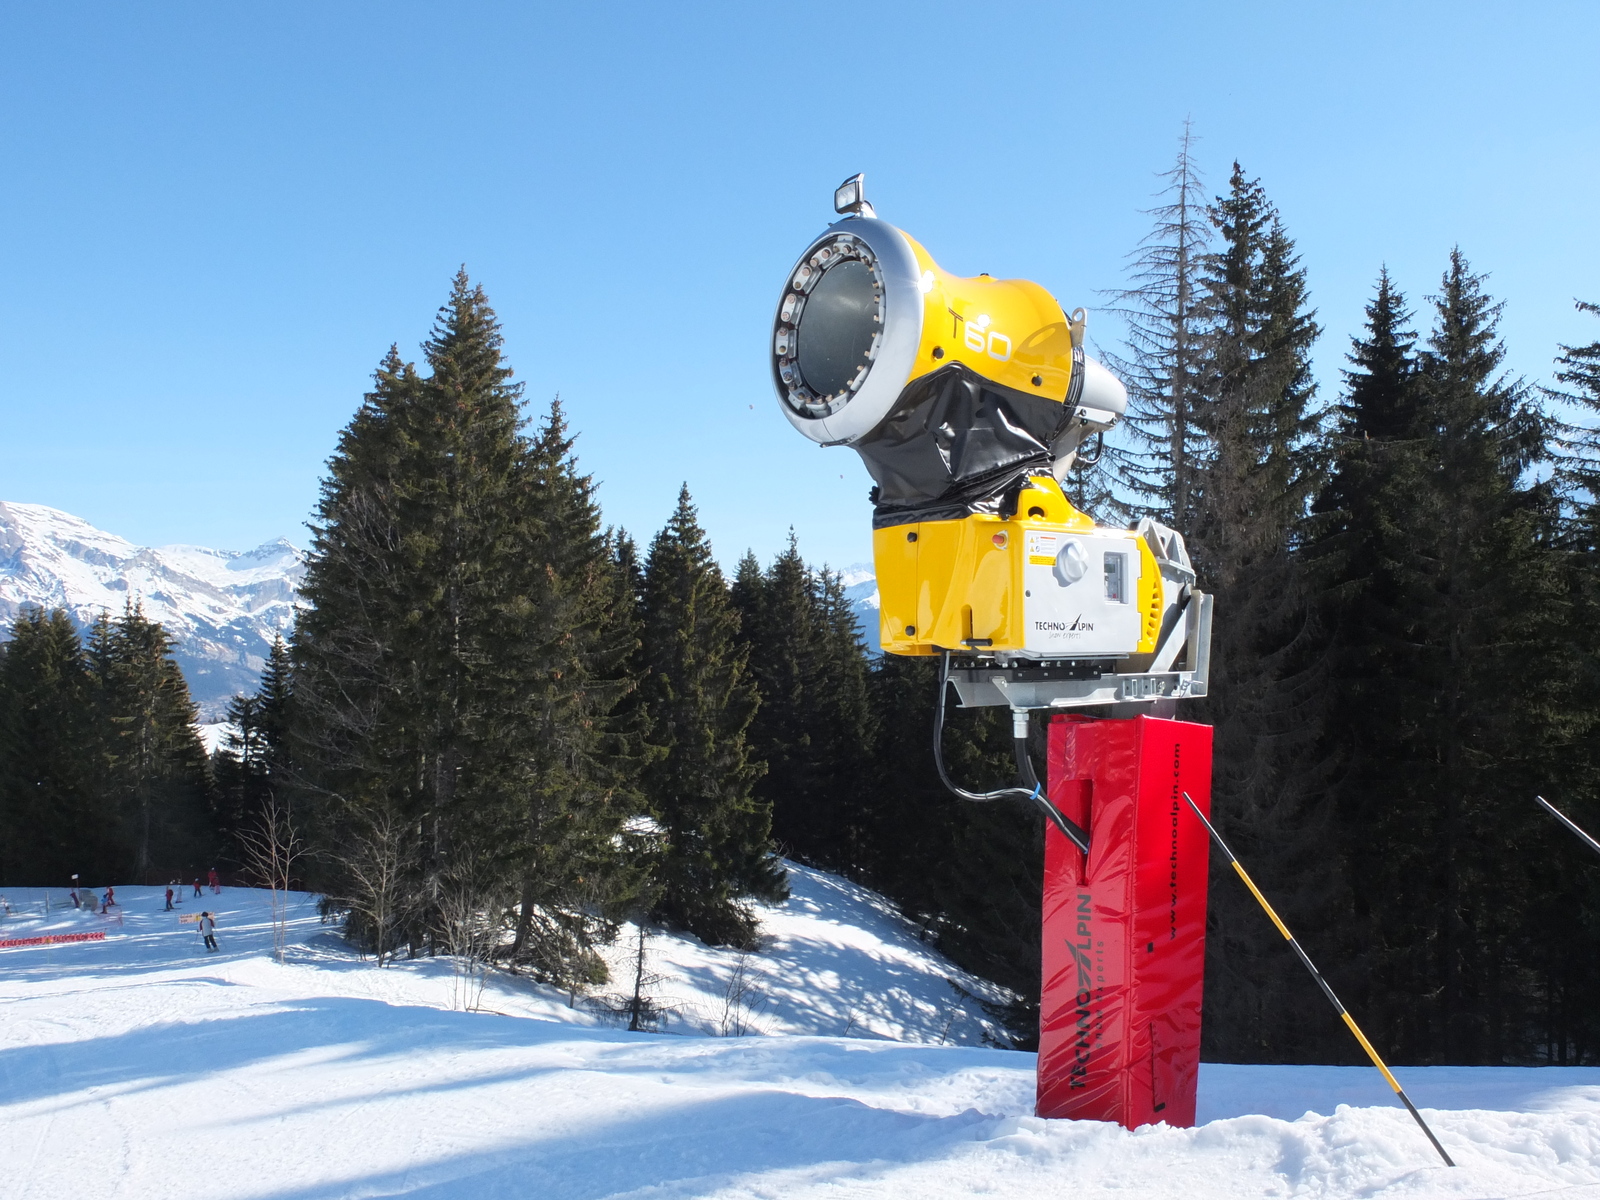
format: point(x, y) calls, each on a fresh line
point(1078, 594)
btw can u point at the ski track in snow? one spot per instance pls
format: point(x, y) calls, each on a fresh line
point(143, 1067)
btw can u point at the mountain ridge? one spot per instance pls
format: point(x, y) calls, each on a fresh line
point(222, 607)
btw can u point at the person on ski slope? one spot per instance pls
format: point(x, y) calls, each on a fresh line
point(196, 887)
point(169, 897)
point(208, 930)
point(110, 899)
point(216, 886)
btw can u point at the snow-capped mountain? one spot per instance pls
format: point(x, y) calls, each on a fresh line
point(222, 607)
point(861, 587)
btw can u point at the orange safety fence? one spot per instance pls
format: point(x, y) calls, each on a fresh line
point(53, 939)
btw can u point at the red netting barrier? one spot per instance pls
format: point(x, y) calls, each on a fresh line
point(54, 939)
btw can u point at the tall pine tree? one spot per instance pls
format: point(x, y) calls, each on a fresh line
point(813, 727)
point(54, 819)
point(1163, 440)
point(455, 670)
point(1261, 467)
point(1449, 690)
point(147, 751)
point(251, 768)
point(701, 701)
point(588, 735)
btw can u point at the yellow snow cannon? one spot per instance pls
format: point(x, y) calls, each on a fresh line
point(969, 401)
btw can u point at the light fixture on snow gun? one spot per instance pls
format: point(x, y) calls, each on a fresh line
point(969, 401)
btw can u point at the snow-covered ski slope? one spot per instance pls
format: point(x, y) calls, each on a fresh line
point(142, 1066)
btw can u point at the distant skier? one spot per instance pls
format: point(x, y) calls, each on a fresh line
point(108, 901)
point(196, 887)
point(216, 885)
point(208, 930)
point(169, 897)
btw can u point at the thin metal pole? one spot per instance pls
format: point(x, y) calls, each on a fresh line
point(1321, 982)
point(1568, 822)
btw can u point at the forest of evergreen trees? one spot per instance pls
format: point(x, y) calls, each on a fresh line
point(496, 712)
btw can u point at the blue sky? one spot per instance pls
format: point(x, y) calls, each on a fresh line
point(217, 217)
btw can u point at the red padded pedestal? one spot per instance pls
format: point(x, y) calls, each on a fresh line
point(1124, 933)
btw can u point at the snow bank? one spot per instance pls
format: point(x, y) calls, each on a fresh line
point(143, 1067)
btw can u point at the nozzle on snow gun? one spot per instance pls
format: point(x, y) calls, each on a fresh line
point(1327, 991)
point(1568, 822)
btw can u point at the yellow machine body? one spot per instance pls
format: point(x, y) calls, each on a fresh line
point(1010, 331)
point(980, 584)
point(969, 400)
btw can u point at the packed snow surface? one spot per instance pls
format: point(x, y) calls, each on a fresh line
point(222, 607)
point(142, 1066)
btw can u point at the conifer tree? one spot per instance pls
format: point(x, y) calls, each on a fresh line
point(701, 700)
point(1164, 367)
point(813, 727)
point(967, 873)
point(1261, 468)
point(1578, 373)
point(588, 746)
point(53, 821)
point(844, 726)
point(146, 750)
point(416, 592)
point(1570, 970)
point(252, 766)
point(1449, 688)
point(455, 671)
point(777, 615)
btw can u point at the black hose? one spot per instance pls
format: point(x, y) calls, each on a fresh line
point(1032, 793)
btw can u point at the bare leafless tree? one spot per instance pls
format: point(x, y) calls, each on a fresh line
point(272, 846)
point(471, 924)
point(373, 855)
point(741, 999)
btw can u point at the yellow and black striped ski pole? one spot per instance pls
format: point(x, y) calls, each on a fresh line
point(1321, 982)
point(1568, 822)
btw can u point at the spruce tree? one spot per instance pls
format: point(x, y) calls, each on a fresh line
point(701, 701)
point(53, 818)
point(843, 727)
point(417, 592)
point(968, 874)
point(147, 752)
point(1450, 695)
point(1161, 443)
point(777, 615)
point(813, 727)
point(252, 766)
point(1570, 970)
point(457, 671)
point(1260, 470)
point(588, 746)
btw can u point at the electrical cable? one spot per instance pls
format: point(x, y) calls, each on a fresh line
point(1032, 794)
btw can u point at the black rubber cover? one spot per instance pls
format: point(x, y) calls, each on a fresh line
point(957, 444)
